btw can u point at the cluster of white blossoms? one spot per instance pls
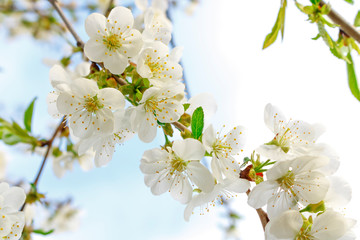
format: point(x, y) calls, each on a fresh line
point(299, 190)
point(301, 194)
point(12, 220)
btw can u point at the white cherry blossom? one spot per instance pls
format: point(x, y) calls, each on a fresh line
point(329, 225)
point(291, 183)
point(292, 137)
point(171, 169)
point(61, 79)
point(104, 144)
point(65, 162)
point(113, 40)
point(157, 26)
point(12, 220)
point(158, 65)
point(223, 149)
point(66, 218)
point(226, 190)
point(88, 108)
point(157, 104)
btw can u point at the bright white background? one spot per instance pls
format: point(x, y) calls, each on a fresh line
point(222, 56)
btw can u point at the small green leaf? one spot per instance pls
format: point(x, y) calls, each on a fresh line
point(168, 130)
point(316, 1)
point(279, 25)
point(197, 122)
point(352, 79)
point(357, 20)
point(43, 232)
point(186, 106)
point(349, 1)
point(28, 115)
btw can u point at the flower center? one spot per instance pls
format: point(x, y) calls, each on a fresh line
point(177, 165)
point(92, 104)
point(287, 182)
point(281, 140)
point(112, 42)
point(221, 148)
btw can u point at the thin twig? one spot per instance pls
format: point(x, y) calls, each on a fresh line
point(109, 8)
point(264, 219)
point(348, 28)
point(180, 126)
point(56, 6)
point(49, 145)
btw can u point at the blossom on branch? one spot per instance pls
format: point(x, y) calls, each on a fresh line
point(113, 40)
point(171, 169)
point(12, 220)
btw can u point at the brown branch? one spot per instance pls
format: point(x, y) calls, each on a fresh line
point(68, 25)
point(348, 28)
point(109, 8)
point(49, 145)
point(264, 219)
point(180, 126)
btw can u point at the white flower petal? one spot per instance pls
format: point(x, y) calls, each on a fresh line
point(95, 22)
point(261, 193)
point(188, 149)
point(287, 225)
point(201, 176)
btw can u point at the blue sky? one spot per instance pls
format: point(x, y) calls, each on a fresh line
point(222, 56)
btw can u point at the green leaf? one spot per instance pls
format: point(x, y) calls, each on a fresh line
point(43, 232)
point(279, 25)
point(186, 106)
point(354, 45)
point(352, 79)
point(349, 1)
point(197, 122)
point(316, 1)
point(357, 20)
point(324, 34)
point(28, 115)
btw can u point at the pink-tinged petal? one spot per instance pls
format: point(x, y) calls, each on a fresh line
point(286, 226)
point(201, 176)
point(189, 149)
point(95, 25)
point(261, 193)
point(112, 98)
point(95, 50)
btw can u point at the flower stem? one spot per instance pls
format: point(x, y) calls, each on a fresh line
point(348, 28)
point(56, 6)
